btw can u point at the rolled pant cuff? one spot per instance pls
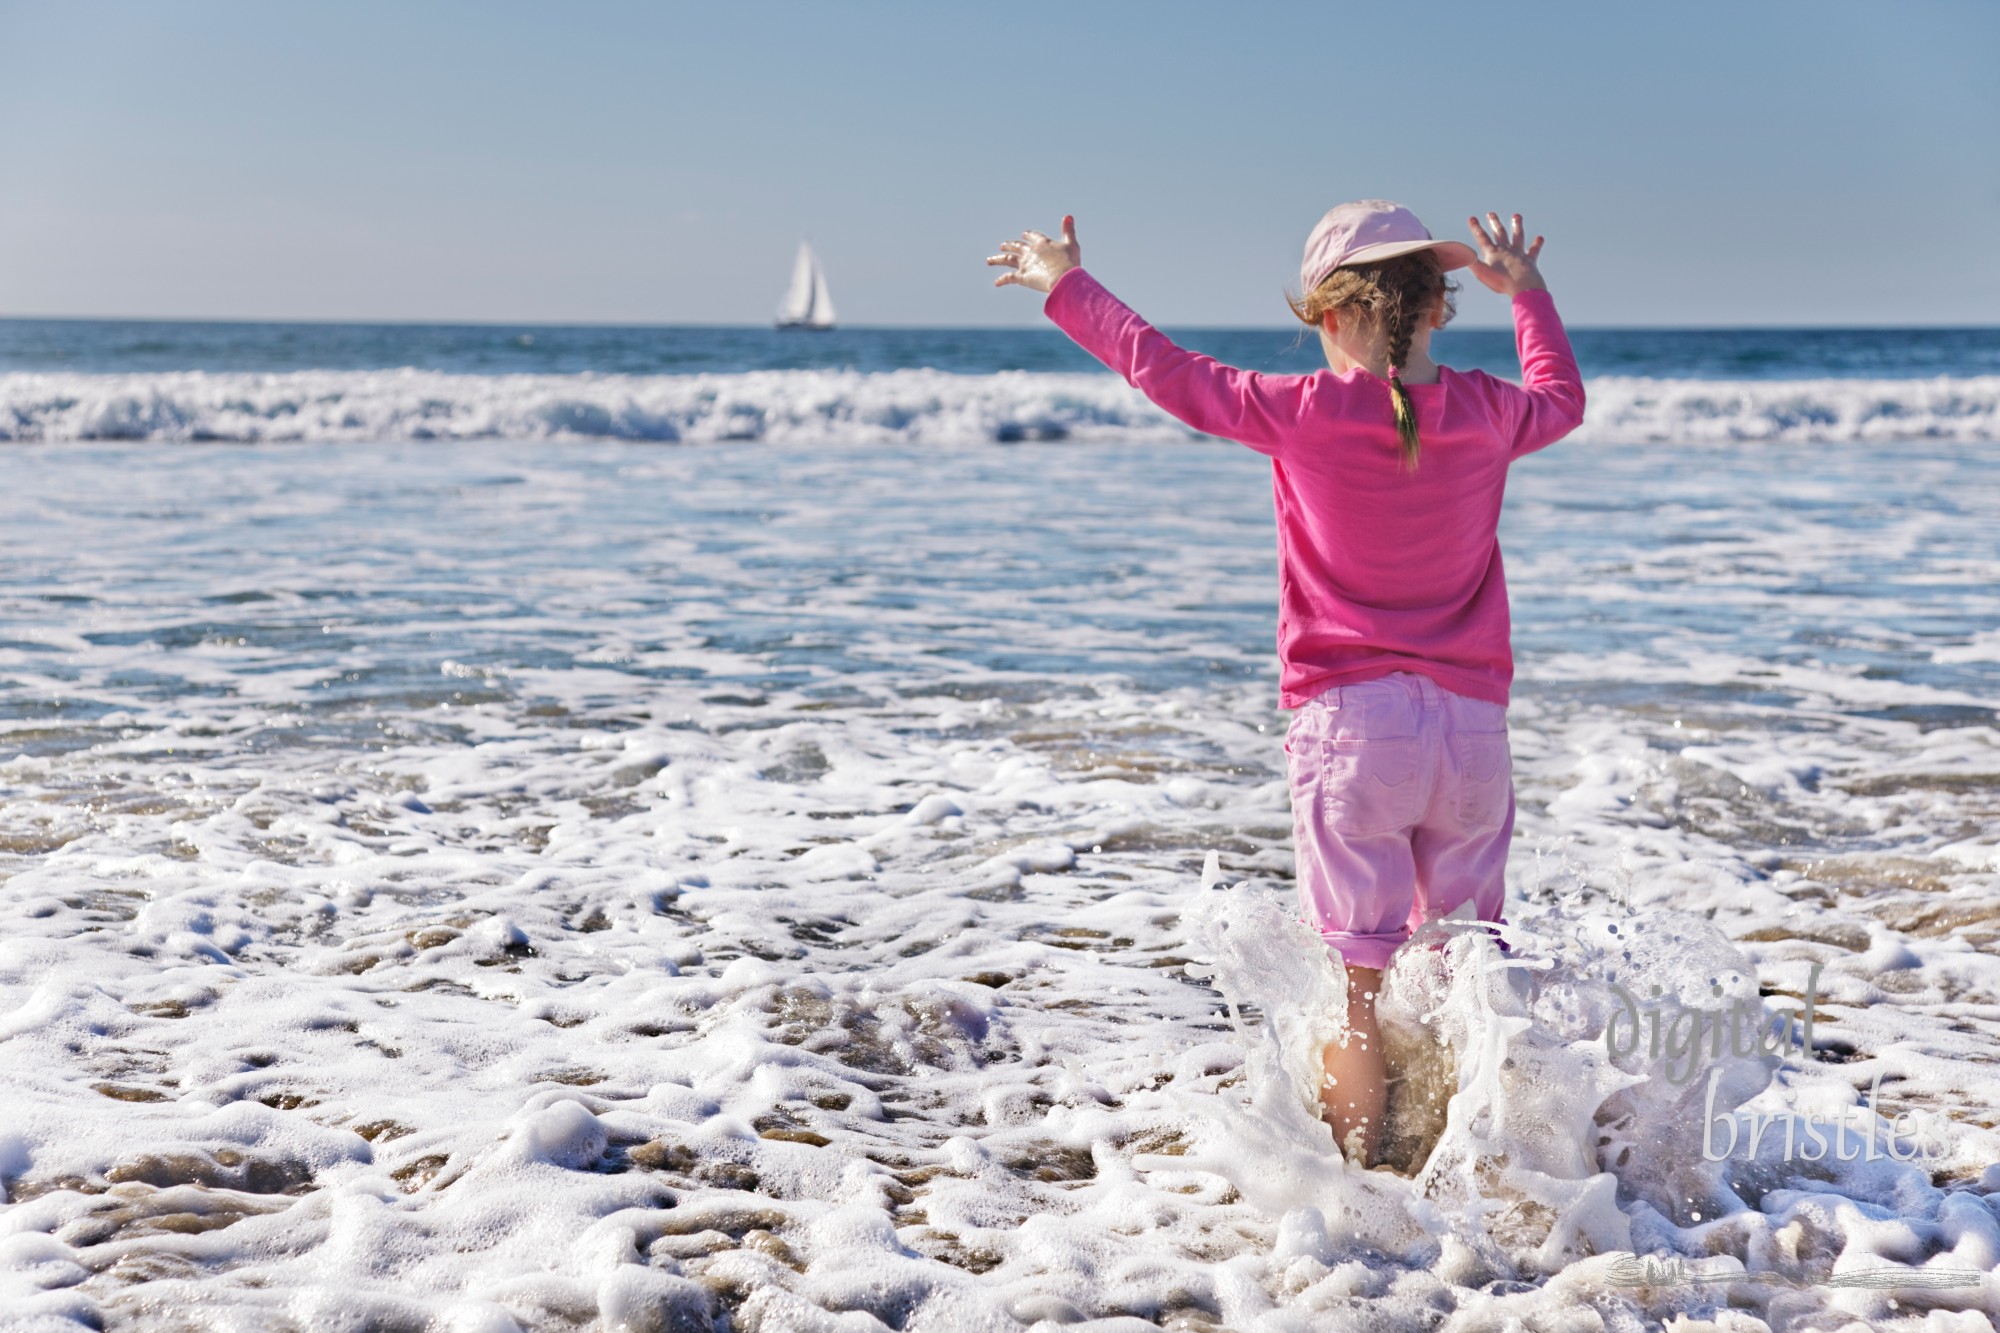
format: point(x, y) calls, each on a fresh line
point(1371, 951)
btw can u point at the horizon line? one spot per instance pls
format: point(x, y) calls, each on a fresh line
point(461, 323)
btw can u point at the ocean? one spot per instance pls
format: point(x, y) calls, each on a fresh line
point(520, 828)
point(260, 383)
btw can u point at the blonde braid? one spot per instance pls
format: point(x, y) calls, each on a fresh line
point(1401, 327)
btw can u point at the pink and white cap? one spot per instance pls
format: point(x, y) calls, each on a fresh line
point(1369, 231)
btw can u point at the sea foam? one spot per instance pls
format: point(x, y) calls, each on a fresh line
point(853, 407)
point(523, 887)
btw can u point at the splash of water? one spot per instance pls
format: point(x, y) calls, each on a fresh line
point(1519, 1140)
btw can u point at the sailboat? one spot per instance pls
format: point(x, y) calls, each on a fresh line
point(807, 304)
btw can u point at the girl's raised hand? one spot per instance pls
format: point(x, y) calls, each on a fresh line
point(1036, 260)
point(1505, 263)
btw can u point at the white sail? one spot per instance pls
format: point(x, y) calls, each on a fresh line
point(822, 307)
point(797, 305)
point(807, 304)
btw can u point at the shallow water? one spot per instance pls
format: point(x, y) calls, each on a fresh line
point(514, 885)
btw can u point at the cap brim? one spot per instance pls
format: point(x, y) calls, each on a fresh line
point(1451, 254)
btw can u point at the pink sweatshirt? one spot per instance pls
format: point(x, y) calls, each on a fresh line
point(1380, 570)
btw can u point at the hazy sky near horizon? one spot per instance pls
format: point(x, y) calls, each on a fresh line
point(1707, 162)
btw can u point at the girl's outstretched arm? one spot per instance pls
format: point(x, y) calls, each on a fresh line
point(1261, 411)
point(1553, 385)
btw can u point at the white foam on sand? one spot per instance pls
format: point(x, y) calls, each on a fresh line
point(761, 886)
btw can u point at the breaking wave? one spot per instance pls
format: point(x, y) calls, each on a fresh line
point(852, 407)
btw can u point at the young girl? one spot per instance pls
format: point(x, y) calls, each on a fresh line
point(1387, 470)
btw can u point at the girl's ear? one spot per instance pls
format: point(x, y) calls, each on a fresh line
point(1438, 315)
point(1330, 321)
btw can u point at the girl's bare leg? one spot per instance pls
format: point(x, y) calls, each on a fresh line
point(1355, 1097)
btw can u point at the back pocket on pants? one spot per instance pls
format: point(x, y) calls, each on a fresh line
point(1485, 776)
point(1371, 786)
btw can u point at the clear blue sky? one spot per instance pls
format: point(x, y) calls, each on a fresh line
point(1694, 162)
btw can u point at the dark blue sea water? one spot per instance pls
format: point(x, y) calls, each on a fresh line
point(139, 346)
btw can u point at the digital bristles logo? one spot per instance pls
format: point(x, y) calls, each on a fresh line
point(1683, 1041)
point(1675, 1035)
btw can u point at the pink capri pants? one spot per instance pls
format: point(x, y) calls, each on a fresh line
point(1402, 808)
